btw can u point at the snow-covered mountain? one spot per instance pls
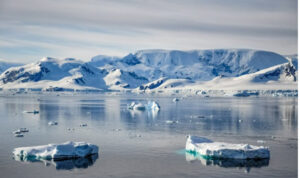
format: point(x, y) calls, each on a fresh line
point(53, 74)
point(201, 65)
point(158, 71)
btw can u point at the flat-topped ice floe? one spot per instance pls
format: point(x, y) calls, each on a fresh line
point(67, 150)
point(220, 150)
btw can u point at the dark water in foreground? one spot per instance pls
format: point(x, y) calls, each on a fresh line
point(142, 144)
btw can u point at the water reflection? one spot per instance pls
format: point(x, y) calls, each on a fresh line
point(222, 115)
point(67, 164)
point(227, 163)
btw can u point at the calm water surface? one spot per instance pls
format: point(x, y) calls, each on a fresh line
point(143, 144)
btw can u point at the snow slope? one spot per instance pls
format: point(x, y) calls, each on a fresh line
point(53, 74)
point(282, 77)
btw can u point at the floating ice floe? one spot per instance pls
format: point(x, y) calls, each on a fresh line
point(220, 150)
point(52, 123)
point(67, 150)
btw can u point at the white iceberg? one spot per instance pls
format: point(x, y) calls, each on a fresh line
point(220, 150)
point(67, 150)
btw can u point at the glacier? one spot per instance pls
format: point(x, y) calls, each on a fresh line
point(220, 150)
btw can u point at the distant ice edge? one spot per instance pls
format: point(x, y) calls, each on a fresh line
point(219, 150)
point(67, 150)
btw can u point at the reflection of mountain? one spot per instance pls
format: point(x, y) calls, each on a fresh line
point(228, 163)
point(66, 164)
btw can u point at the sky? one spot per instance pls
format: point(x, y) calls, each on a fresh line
point(32, 29)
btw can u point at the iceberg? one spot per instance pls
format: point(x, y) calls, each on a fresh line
point(67, 150)
point(220, 150)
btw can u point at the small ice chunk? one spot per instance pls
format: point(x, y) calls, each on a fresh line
point(17, 132)
point(221, 150)
point(240, 120)
point(171, 122)
point(261, 141)
point(197, 116)
point(32, 112)
point(65, 150)
point(52, 123)
point(19, 135)
point(175, 100)
point(136, 106)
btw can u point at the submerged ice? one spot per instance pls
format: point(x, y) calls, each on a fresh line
point(65, 150)
point(220, 150)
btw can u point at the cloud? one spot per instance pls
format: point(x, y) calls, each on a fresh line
point(86, 28)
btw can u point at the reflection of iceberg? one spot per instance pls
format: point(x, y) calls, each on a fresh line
point(227, 163)
point(136, 106)
point(66, 164)
point(153, 106)
point(221, 150)
point(150, 106)
point(65, 150)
